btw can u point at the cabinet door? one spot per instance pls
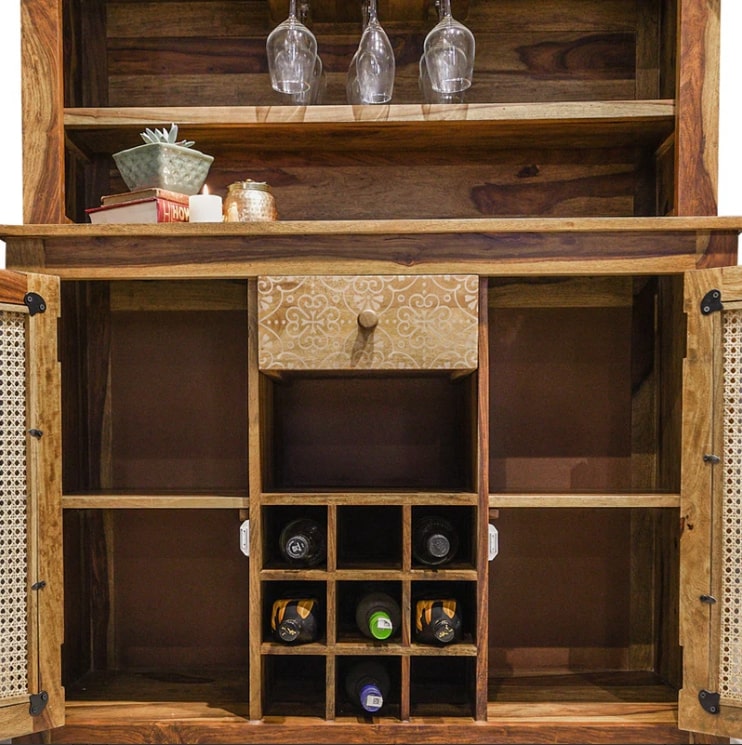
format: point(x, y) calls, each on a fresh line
point(31, 696)
point(711, 505)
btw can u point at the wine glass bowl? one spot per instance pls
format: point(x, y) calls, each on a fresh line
point(448, 53)
point(370, 78)
point(426, 89)
point(291, 49)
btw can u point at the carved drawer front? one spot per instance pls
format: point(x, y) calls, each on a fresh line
point(368, 322)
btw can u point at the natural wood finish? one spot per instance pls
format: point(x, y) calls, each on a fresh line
point(217, 129)
point(44, 514)
point(255, 482)
point(371, 497)
point(701, 499)
point(99, 501)
point(696, 143)
point(481, 529)
point(584, 500)
point(13, 288)
point(193, 296)
point(42, 104)
point(586, 120)
point(571, 292)
point(502, 247)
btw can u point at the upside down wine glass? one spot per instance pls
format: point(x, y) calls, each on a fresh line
point(448, 53)
point(371, 73)
point(291, 49)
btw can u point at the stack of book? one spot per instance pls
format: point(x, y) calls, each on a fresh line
point(141, 206)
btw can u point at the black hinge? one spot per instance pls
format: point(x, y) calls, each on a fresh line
point(35, 303)
point(709, 701)
point(40, 585)
point(711, 302)
point(38, 703)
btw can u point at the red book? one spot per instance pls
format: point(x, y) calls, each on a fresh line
point(145, 193)
point(155, 209)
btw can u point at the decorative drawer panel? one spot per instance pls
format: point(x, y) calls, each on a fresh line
point(395, 322)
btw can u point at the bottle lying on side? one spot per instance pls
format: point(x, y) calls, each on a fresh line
point(367, 685)
point(295, 620)
point(434, 540)
point(378, 615)
point(303, 542)
point(437, 621)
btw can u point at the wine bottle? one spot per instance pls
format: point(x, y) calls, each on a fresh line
point(434, 540)
point(437, 621)
point(303, 542)
point(367, 685)
point(295, 620)
point(378, 615)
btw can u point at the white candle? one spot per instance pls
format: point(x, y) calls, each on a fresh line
point(205, 207)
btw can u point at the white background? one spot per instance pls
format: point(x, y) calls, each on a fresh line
point(730, 130)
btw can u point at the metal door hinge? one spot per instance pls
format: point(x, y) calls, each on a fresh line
point(40, 585)
point(711, 302)
point(35, 303)
point(38, 703)
point(37, 433)
point(709, 701)
point(708, 599)
point(711, 458)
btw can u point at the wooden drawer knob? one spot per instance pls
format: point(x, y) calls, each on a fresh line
point(367, 319)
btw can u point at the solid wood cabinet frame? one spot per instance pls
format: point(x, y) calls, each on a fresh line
point(575, 188)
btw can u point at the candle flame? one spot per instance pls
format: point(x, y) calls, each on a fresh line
point(205, 190)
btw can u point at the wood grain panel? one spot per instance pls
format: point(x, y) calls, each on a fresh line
point(698, 108)
point(43, 104)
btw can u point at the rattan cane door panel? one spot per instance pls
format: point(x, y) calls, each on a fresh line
point(31, 699)
point(711, 542)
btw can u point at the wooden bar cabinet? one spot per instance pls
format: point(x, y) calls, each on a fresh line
point(518, 311)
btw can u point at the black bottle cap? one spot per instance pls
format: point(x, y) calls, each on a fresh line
point(438, 545)
point(297, 547)
point(443, 631)
point(289, 630)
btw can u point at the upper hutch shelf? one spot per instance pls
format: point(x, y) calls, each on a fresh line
point(224, 130)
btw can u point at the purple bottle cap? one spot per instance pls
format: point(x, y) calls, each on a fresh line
point(371, 698)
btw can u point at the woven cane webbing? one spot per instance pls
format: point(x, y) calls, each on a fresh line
point(13, 517)
point(730, 670)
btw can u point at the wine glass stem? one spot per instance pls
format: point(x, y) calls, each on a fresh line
point(370, 12)
point(292, 8)
point(444, 8)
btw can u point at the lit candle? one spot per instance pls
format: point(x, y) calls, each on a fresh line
point(205, 207)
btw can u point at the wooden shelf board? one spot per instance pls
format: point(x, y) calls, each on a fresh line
point(225, 130)
point(616, 707)
point(370, 498)
point(577, 500)
point(153, 500)
point(495, 247)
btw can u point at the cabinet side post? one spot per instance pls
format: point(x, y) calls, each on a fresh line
point(255, 488)
point(482, 673)
point(42, 100)
point(697, 108)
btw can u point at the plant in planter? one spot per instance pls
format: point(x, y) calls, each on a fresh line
point(163, 162)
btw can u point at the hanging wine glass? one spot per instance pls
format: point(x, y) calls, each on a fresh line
point(431, 96)
point(371, 73)
point(448, 53)
point(317, 86)
point(291, 49)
